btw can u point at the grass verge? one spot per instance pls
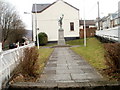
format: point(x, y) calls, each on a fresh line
point(71, 42)
point(44, 54)
point(93, 53)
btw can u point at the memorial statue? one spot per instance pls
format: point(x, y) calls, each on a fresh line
point(60, 21)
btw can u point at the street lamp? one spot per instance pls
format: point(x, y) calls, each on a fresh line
point(37, 38)
point(85, 42)
point(36, 28)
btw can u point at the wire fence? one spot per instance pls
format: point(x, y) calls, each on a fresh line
point(9, 60)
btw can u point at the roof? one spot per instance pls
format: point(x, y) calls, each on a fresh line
point(71, 5)
point(87, 22)
point(42, 7)
point(113, 16)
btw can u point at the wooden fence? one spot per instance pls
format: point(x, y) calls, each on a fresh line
point(90, 32)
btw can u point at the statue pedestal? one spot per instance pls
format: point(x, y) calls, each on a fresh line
point(61, 40)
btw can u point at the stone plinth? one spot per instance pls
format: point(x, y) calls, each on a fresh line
point(61, 40)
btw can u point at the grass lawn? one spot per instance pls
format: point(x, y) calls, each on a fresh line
point(72, 42)
point(93, 53)
point(44, 54)
point(50, 44)
point(75, 42)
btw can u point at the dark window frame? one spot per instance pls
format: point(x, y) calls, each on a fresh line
point(71, 26)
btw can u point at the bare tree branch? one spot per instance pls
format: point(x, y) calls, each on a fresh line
point(10, 22)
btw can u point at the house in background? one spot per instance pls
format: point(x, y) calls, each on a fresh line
point(110, 27)
point(90, 28)
point(48, 16)
point(29, 35)
point(109, 21)
point(88, 23)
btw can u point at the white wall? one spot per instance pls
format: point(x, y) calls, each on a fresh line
point(9, 59)
point(48, 20)
point(111, 33)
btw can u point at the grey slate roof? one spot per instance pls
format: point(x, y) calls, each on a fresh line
point(40, 7)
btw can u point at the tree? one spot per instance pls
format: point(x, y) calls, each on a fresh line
point(10, 22)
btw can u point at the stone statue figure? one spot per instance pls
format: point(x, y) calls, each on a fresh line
point(60, 21)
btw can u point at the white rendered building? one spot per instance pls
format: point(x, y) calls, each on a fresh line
point(47, 20)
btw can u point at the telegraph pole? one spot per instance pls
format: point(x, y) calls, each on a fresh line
point(1, 38)
point(98, 16)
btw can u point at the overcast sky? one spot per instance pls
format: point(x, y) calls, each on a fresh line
point(106, 6)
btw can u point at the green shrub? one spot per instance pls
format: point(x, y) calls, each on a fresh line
point(43, 38)
point(112, 57)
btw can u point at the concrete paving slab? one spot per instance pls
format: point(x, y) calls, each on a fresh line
point(49, 72)
point(51, 65)
point(62, 77)
point(64, 66)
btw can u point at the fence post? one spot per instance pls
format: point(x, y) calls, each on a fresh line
point(18, 44)
point(0, 47)
point(1, 56)
point(0, 72)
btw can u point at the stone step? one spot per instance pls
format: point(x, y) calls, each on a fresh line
point(101, 85)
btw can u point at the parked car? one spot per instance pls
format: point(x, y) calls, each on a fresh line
point(12, 45)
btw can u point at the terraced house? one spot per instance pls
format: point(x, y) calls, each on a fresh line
point(109, 21)
point(110, 26)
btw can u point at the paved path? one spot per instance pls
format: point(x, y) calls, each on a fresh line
point(66, 70)
point(64, 66)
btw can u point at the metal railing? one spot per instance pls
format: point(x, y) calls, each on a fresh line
point(9, 60)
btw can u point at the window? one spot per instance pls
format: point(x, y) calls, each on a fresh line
point(86, 27)
point(71, 26)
